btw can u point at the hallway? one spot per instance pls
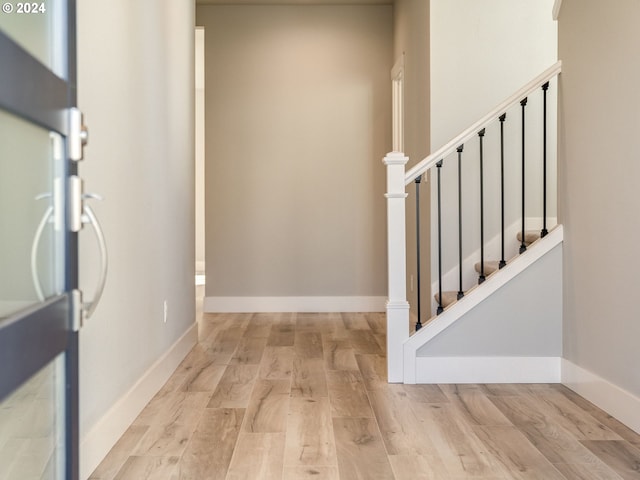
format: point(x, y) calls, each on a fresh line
point(294, 396)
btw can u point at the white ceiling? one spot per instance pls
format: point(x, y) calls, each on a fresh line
point(294, 2)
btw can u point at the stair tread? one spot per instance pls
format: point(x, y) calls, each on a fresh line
point(490, 266)
point(530, 236)
point(448, 298)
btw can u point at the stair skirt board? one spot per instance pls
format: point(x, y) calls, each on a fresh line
point(492, 245)
point(444, 370)
point(293, 304)
point(412, 364)
point(616, 401)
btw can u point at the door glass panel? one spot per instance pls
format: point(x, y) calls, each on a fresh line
point(31, 214)
point(36, 27)
point(32, 421)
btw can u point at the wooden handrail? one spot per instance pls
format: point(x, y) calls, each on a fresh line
point(472, 131)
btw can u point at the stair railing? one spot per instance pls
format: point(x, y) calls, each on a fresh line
point(398, 310)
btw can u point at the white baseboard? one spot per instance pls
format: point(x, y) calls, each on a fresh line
point(294, 304)
point(488, 369)
point(614, 400)
point(107, 431)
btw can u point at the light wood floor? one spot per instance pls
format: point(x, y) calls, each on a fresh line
point(304, 396)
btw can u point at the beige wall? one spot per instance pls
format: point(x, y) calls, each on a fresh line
point(482, 52)
point(297, 122)
point(136, 83)
point(599, 151)
point(411, 38)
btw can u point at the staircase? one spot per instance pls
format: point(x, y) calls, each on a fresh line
point(485, 270)
point(495, 240)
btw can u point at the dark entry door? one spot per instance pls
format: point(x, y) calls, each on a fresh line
point(40, 215)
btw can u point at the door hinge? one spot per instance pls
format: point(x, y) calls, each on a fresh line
point(78, 135)
point(77, 310)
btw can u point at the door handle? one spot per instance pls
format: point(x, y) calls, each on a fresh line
point(88, 217)
point(46, 218)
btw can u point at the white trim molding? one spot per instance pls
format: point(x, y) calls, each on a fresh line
point(614, 400)
point(397, 95)
point(488, 369)
point(397, 333)
point(293, 304)
point(95, 444)
point(556, 9)
point(397, 307)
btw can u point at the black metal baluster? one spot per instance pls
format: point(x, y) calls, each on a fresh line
point(502, 119)
point(482, 277)
point(544, 231)
point(459, 150)
point(523, 246)
point(440, 308)
point(418, 180)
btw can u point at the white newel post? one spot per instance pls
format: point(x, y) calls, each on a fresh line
point(397, 305)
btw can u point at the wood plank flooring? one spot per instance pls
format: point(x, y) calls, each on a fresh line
point(304, 396)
